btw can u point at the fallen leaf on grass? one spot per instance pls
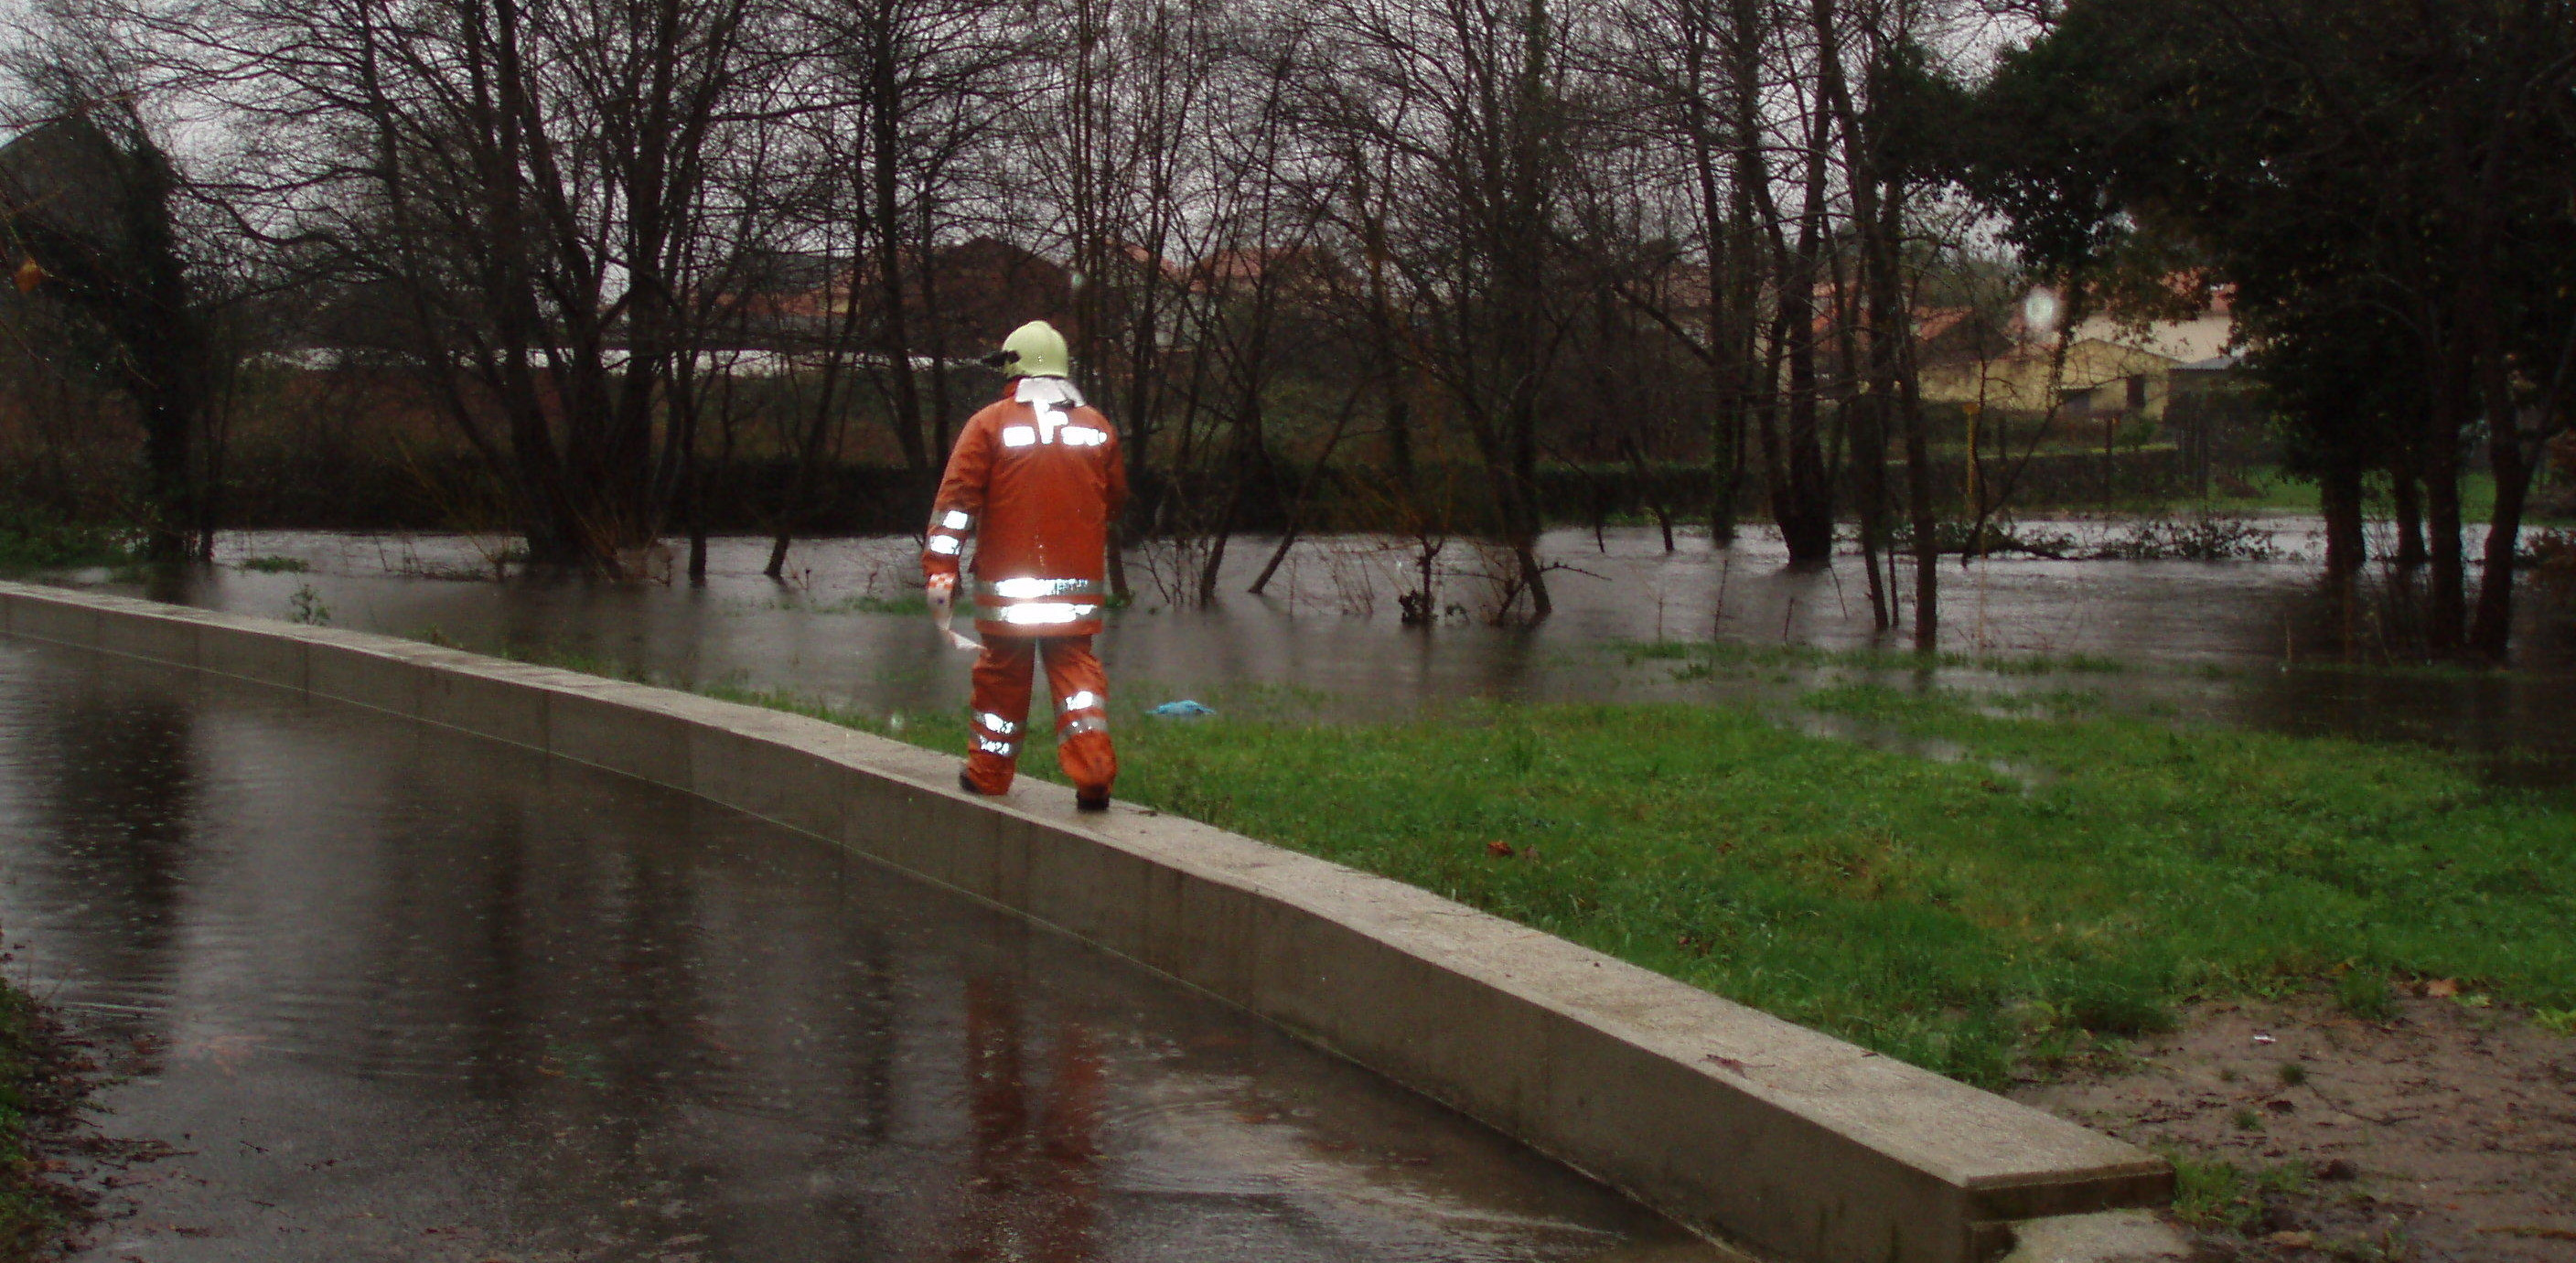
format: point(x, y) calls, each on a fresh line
point(1499, 850)
point(2442, 988)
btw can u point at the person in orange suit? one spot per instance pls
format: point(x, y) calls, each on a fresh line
point(1034, 481)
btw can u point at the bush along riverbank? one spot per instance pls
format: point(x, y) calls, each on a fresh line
point(37, 541)
point(2060, 882)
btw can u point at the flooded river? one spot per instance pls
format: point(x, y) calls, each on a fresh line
point(389, 993)
point(2236, 642)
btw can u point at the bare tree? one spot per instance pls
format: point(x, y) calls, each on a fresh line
point(530, 181)
point(1487, 128)
point(93, 202)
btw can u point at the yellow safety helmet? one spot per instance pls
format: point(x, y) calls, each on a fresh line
point(1035, 349)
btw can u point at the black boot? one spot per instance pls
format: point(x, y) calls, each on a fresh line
point(1087, 800)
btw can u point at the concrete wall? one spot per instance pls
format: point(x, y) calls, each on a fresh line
point(1728, 1119)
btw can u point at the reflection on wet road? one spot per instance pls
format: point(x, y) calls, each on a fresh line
point(391, 993)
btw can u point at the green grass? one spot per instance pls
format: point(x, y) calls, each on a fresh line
point(274, 565)
point(2366, 995)
point(2277, 492)
point(2214, 1193)
point(1930, 910)
point(1937, 911)
point(1702, 659)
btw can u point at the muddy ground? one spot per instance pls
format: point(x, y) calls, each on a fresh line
point(2445, 1132)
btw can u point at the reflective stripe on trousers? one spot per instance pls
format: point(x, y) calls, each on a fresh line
point(1004, 673)
point(1081, 711)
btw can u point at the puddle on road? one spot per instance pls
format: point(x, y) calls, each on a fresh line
point(397, 994)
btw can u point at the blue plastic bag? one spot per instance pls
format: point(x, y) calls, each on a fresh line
point(1183, 709)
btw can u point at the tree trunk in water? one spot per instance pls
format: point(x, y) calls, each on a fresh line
point(1918, 492)
point(1521, 509)
point(1726, 473)
point(1804, 507)
point(1305, 496)
point(1116, 561)
point(2339, 495)
point(2493, 631)
point(693, 492)
point(1215, 564)
point(167, 437)
point(2446, 604)
point(887, 144)
point(1869, 470)
point(2406, 491)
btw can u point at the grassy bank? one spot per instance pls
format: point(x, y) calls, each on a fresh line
point(2066, 879)
point(1961, 917)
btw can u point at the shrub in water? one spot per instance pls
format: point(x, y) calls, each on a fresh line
point(33, 540)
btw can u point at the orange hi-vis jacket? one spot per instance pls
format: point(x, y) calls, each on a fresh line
point(1035, 480)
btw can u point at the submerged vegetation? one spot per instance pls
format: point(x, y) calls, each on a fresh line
point(2206, 535)
point(2063, 880)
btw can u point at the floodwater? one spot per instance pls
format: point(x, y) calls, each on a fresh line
point(2236, 642)
point(390, 993)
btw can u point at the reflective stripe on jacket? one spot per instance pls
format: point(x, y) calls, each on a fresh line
point(1034, 480)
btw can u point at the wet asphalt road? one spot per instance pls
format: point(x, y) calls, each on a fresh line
point(391, 993)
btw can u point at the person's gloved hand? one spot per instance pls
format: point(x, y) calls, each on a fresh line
point(941, 592)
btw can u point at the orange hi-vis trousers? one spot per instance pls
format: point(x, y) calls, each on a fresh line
point(1002, 677)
